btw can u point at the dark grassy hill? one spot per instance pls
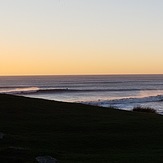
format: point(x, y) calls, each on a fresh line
point(76, 133)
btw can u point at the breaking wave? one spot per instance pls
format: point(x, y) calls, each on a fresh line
point(37, 90)
point(157, 98)
point(20, 90)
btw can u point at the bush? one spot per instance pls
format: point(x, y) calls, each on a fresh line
point(144, 109)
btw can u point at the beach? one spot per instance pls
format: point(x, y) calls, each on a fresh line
point(71, 132)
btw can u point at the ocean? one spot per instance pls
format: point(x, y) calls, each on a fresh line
point(120, 91)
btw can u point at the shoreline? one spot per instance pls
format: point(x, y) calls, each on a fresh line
point(103, 104)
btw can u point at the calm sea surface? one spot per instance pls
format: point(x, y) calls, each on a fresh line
point(121, 91)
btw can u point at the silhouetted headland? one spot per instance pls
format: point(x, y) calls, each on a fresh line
point(71, 132)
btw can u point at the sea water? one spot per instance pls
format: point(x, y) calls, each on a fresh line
point(120, 91)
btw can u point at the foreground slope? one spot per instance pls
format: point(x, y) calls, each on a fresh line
point(76, 133)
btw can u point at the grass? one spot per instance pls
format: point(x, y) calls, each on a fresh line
point(77, 133)
point(144, 109)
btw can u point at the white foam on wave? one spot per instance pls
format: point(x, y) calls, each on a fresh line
point(25, 90)
point(124, 101)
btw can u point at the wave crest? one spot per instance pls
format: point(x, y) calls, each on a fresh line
point(157, 98)
point(26, 90)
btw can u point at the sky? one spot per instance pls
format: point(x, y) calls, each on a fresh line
point(74, 37)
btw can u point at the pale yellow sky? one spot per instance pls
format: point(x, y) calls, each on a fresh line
point(74, 37)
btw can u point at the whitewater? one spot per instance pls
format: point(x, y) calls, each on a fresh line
point(120, 91)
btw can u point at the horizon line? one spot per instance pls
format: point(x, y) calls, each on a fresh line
point(114, 74)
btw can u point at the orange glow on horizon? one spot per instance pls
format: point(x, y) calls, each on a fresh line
point(55, 39)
